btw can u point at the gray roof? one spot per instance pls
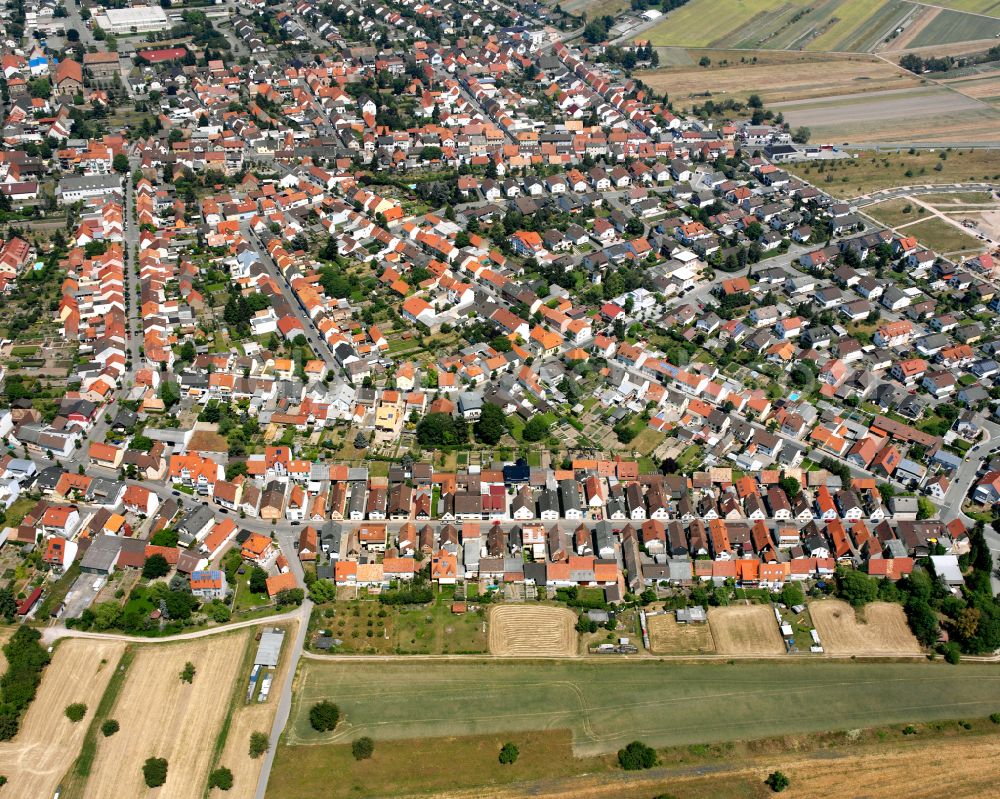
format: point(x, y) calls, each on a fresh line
point(101, 554)
point(269, 648)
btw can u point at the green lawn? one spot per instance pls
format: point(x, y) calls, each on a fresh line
point(245, 598)
point(610, 703)
point(410, 629)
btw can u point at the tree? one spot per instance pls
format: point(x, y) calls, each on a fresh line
point(258, 580)
point(155, 566)
point(801, 135)
point(790, 486)
point(72, 35)
point(8, 605)
point(154, 771)
point(290, 596)
point(166, 537)
point(363, 748)
point(792, 595)
point(76, 712)
point(491, 425)
point(120, 163)
point(259, 744)
point(856, 587)
point(536, 429)
point(508, 754)
point(221, 778)
point(777, 781)
point(188, 672)
point(109, 727)
point(636, 756)
point(323, 716)
point(441, 429)
point(704, 61)
point(361, 440)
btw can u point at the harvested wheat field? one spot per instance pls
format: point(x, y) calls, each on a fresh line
point(531, 631)
point(882, 630)
point(667, 637)
point(161, 716)
point(246, 719)
point(48, 742)
point(745, 630)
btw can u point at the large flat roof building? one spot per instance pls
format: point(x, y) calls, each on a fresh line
point(140, 19)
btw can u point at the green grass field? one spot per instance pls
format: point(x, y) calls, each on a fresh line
point(871, 171)
point(949, 27)
point(989, 7)
point(820, 25)
point(844, 26)
point(608, 704)
point(942, 237)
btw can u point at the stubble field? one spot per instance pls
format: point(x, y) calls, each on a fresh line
point(47, 743)
point(882, 630)
point(531, 631)
point(247, 719)
point(667, 637)
point(745, 630)
point(161, 716)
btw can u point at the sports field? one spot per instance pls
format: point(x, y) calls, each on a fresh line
point(606, 704)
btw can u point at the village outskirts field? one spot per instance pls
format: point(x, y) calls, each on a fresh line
point(196, 726)
point(715, 694)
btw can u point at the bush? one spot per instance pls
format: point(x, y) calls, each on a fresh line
point(154, 771)
point(363, 748)
point(995, 718)
point(76, 712)
point(323, 716)
point(259, 744)
point(508, 754)
point(777, 781)
point(187, 674)
point(25, 660)
point(636, 756)
point(221, 778)
point(110, 727)
point(952, 654)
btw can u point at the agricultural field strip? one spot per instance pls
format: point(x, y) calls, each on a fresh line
point(390, 710)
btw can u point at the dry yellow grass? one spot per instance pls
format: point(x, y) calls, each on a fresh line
point(809, 78)
point(47, 743)
point(957, 767)
point(667, 637)
point(161, 716)
point(247, 719)
point(745, 630)
point(531, 631)
point(882, 631)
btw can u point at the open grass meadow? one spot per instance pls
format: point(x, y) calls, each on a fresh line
point(958, 759)
point(872, 171)
point(607, 704)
